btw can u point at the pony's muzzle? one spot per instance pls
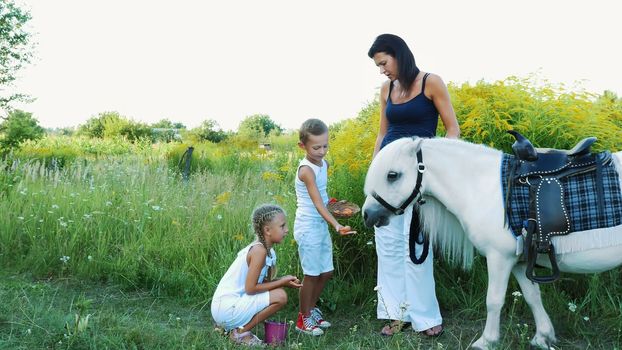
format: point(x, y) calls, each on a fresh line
point(375, 217)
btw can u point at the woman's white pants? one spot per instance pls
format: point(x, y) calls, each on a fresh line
point(405, 291)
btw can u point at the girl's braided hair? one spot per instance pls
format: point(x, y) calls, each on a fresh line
point(262, 216)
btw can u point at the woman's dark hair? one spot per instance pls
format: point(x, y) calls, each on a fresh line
point(396, 47)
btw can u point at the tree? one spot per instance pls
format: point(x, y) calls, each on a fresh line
point(112, 124)
point(209, 130)
point(163, 124)
point(258, 126)
point(15, 48)
point(94, 127)
point(167, 124)
point(17, 127)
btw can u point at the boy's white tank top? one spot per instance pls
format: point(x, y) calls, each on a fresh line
point(232, 283)
point(305, 206)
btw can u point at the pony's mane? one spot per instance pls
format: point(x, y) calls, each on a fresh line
point(472, 148)
point(443, 227)
point(446, 233)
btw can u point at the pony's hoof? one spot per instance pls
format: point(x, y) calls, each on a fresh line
point(543, 341)
point(482, 344)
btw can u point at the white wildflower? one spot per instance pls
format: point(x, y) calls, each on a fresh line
point(219, 217)
point(54, 206)
point(377, 288)
point(64, 259)
point(156, 207)
point(20, 218)
point(585, 318)
point(572, 307)
point(517, 294)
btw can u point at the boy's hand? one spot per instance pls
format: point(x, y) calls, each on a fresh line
point(344, 230)
point(290, 281)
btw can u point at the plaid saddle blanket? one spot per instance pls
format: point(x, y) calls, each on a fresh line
point(580, 199)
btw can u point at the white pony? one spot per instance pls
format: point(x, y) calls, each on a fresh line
point(464, 209)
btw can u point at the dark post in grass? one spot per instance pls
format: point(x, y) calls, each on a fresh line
point(188, 157)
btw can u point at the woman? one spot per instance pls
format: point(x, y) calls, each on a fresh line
point(410, 104)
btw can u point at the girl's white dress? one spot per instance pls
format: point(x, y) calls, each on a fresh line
point(405, 291)
point(231, 306)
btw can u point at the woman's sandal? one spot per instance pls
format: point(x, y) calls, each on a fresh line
point(245, 338)
point(394, 327)
point(434, 331)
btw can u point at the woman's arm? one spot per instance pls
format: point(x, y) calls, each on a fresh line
point(440, 97)
point(384, 95)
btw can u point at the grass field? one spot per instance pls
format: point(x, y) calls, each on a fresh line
point(51, 314)
point(122, 253)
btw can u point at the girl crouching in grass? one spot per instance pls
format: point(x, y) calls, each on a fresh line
point(246, 295)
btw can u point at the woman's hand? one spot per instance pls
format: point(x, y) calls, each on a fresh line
point(290, 281)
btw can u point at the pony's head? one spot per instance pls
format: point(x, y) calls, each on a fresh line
point(391, 183)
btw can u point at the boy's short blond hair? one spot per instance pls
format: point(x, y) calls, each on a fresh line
point(313, 127)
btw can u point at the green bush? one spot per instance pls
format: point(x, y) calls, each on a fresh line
point(18, 127)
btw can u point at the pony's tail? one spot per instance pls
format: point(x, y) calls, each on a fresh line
point(446, 233)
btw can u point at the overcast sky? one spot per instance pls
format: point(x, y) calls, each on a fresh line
point(224, 60)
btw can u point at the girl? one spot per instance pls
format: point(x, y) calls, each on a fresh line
point(311, 225)
point(246, 294)
point(411, 102)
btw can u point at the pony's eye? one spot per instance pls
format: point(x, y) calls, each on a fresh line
point(392, 176)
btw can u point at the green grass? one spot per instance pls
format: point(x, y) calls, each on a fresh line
point(41, 314)
point(146, 247)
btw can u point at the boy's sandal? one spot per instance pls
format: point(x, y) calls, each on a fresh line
point(394, 327)
point(434, 331)
point(245, 338)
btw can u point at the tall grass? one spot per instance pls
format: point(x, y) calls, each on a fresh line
point(132, 221)
point(121, 212)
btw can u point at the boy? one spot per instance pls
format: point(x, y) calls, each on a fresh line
point(311, 225)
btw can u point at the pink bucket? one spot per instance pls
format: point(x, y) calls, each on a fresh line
point(276, 332)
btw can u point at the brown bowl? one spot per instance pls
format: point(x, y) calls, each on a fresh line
point(343, 209)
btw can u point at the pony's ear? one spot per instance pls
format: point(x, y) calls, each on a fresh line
point(414, 146)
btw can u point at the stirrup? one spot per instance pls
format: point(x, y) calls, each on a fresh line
point(531, 263)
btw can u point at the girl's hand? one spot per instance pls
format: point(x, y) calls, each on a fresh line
point(290, 281)
point(344, 230)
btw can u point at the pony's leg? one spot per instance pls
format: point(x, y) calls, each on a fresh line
point(499, 268)
point(545, 334)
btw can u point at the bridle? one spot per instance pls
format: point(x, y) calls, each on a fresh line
point(413, 195)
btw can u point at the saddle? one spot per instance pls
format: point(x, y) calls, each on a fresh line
point(541, 169)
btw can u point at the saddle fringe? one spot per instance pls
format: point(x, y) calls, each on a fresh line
point(586, 240)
